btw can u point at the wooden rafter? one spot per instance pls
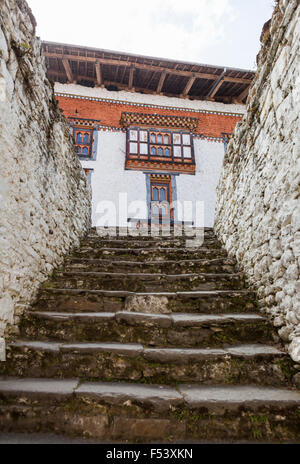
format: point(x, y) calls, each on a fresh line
point(131, 75)
point(116, 71)
point(216, 86)
point(68, 70)
point(237, 80)
point(161, 81)
point(243, 95)
point(147, 80)
point(189, 85)
point(71, 63)
point(99, 74)
point(215, 90)
point(123, 75)
point(55, 75)
point(200, 75)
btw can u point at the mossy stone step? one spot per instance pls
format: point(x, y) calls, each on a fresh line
point(162, 340)
point(211, 301)
point(257, 364)
point(185, 330)
point(143, 254)
point(145, 282)
point(217, 266)
point(149, 244)
point(142, 234)
point(134, 412)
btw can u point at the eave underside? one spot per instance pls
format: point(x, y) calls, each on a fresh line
point(117, 71)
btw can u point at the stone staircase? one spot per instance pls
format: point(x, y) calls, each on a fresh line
point(141, 339)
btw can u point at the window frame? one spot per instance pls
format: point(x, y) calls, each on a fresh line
point(83, 130)
point(176, 160)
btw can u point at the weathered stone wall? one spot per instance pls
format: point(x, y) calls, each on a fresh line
point(258, 210)
point(44, 197)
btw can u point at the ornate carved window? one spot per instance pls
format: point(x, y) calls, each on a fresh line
point(85, 136)
point(160, 150)
point(83, 140)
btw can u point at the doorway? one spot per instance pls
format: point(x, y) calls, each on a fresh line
point(161, 199)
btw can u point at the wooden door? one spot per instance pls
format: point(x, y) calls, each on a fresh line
point(160, 200)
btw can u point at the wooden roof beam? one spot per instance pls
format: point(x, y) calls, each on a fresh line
point(99, 74)
point(237, 80)
point(112, 62)
point(146, 67)
point(161, 81)
point(243, 95)
point(237, 100)
point(131, 75)
point(216, 86)
point(116, 72)
point(189, 85)
point(58, 74)
point(120, 86)
point(68, 70)
point(125, 87)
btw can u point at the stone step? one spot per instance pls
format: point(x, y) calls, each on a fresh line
point(173, 322)
point(136, 413)
point(148, 234)
point(258, 364)
point(145, 282)
point(184, 330)
point(143, 254)
point(218, 265)
point(98, 243)
point(152, 235)
point(147, 241)
point(211, 301)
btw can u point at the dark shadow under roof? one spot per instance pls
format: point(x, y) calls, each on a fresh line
point(94, 67)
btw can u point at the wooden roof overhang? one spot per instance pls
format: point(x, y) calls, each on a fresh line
point(94, 67)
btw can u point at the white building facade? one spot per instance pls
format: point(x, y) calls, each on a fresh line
point(149, 156)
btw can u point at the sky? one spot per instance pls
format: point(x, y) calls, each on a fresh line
point(217, 32)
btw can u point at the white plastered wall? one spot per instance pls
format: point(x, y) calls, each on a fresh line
point(202, 187)
point(109, 179)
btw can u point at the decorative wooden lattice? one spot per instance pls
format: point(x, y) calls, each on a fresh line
point(83, 122)
point(154, 177)
point(159, 120)
point(138, 165)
